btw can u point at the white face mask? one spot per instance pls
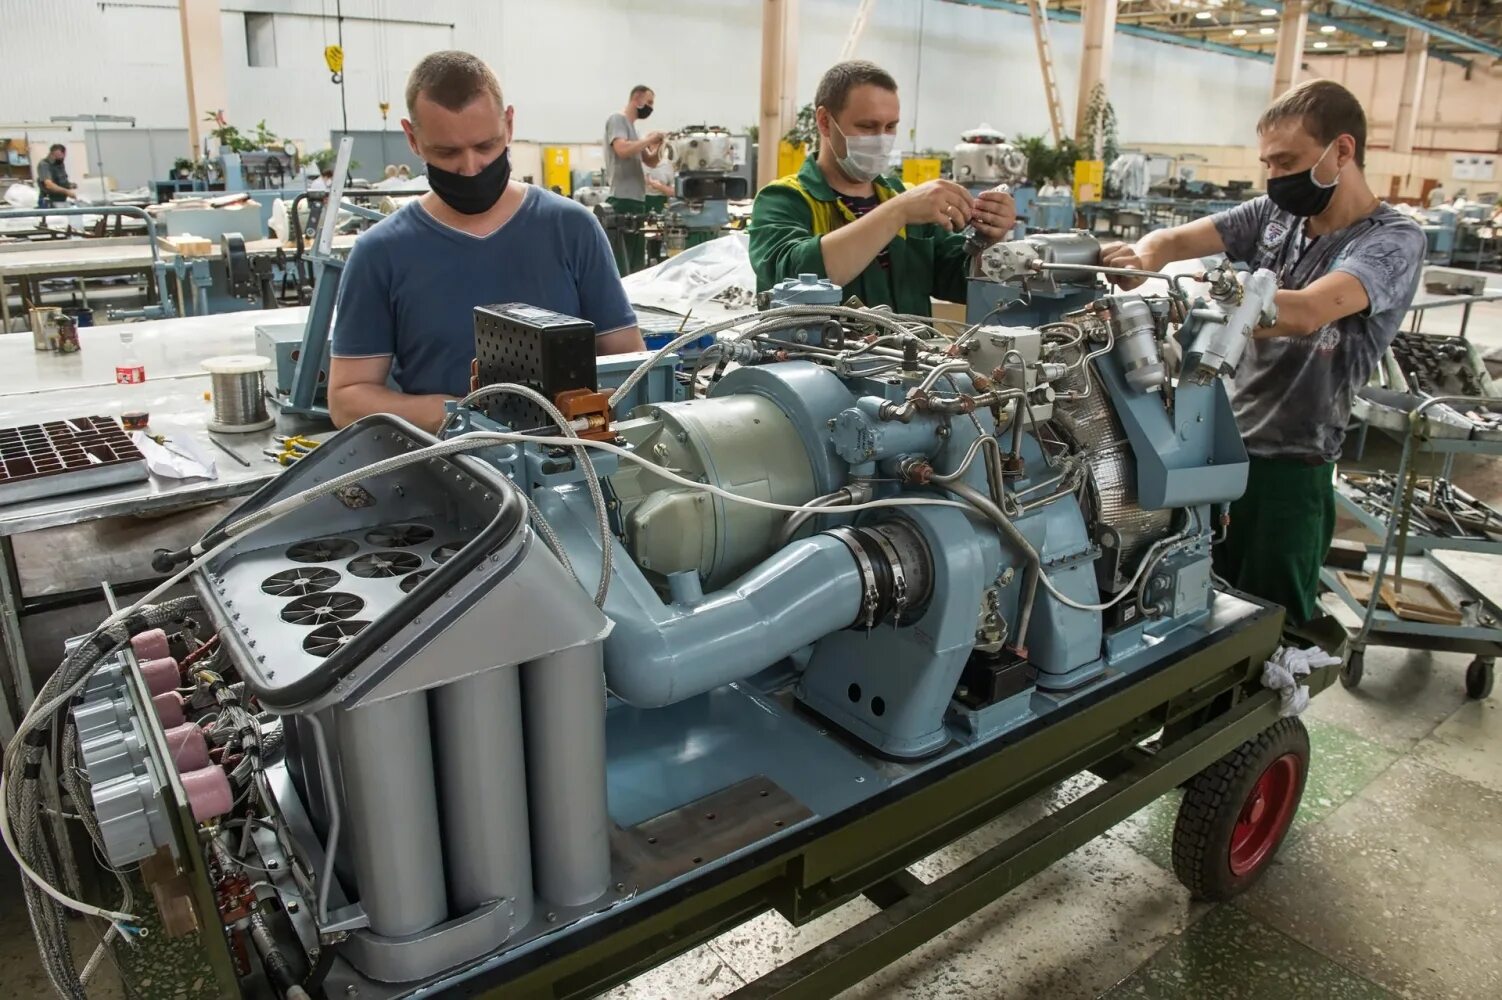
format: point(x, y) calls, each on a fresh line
point(866, 156)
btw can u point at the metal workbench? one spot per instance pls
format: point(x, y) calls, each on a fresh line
point(23, 263)
point(39, 385)
point(1425, 301)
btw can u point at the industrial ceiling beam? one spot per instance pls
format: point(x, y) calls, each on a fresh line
point(1435, 29)
point(1134, 30)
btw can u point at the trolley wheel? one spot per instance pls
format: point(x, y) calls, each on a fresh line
point(1352, 669)
point(1478, 677)
point(1236, 812)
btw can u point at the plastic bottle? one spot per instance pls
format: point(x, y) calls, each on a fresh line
point(129, 370)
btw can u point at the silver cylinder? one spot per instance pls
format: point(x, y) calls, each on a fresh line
point(564, 695)
point(482, 782)
point(1136, 336)
point(1068, 248)
point(386, 760)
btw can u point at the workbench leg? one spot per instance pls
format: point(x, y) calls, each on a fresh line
point(4, 307)
point(10, 634)
point(1465, 319)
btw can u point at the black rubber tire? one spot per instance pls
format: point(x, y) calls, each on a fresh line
point(1213, 801)
point(1479, 675)
point(1351, 671)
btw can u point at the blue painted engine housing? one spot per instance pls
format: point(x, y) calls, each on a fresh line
point(795, 617)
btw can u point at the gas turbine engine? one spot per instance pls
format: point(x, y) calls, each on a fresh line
point(704, 158)
point(923, 539)
point(984, 158)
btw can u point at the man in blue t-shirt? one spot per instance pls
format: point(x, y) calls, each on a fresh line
point(406, 303)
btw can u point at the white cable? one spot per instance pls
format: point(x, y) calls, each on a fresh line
point(42, 883)
point(658, 470)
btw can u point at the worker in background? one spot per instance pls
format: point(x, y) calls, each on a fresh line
point(1348, 266)
point(323, 181)
point(626, 157)
point(1436, 196)
point(52, 177)
point(403, 172)
point(841, 217)
point(406, 302)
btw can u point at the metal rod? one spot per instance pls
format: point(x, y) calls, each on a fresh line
point(228, 451)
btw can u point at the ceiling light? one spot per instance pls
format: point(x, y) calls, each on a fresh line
point(1203, 15)
point(1266, 31)
point(1327, 29)
point(1268, 12)
point(1379, 44)
point(1322, 45)
point(1238, 32)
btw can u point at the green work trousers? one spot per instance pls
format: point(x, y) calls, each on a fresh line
point(630, 246)
point(1279, 533)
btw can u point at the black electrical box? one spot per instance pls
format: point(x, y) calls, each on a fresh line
point(539, 348)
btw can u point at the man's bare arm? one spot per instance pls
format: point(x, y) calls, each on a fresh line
point(1304, 312)
point(1157, 250)
point(357, 388)
point(626, 340)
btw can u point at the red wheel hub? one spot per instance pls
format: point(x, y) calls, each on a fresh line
point(1265, 814)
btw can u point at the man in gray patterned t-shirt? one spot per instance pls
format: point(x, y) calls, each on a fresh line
point(1347, 266)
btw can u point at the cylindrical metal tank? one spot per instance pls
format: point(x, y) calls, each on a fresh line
point(482, 782)
point(391, 798)
point(564, 694)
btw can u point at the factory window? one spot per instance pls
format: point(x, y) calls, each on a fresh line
point(260, 40)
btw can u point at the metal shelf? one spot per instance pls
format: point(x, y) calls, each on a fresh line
point(1480, 631)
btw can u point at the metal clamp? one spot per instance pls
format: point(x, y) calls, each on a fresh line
point(870, 595)
point(894, 562)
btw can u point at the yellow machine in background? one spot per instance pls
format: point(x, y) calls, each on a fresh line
point(556, 175)
point(920, 169)
point(1089, 180)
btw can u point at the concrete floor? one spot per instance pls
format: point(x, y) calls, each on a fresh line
point(1389, 885)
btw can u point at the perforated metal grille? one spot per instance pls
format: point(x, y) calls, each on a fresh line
point(544, 350)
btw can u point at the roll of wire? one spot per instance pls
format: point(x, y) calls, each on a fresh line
point(238, 388)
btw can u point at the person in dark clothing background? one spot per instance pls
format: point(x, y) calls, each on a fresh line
point(52, 177)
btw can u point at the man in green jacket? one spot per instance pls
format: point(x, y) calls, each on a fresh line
point(841, 219)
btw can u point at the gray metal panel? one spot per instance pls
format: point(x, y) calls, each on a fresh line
point(565, 699)
point(373, 149)
point(134, 156)
point(482, 781)
point(386, 755)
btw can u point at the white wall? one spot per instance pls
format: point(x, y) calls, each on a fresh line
point(566, 64)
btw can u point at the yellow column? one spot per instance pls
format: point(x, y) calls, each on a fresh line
point(1098, 19)
point(1291, 28)
point(1415, 61)
point(203, 63)
point(779, 82)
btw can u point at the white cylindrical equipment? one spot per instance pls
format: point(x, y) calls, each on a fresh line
point(391, 799)
point(483, 786)
point(564, 695)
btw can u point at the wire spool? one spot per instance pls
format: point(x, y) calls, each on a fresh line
point(239, 393)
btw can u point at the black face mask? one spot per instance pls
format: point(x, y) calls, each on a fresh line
point(476, 194)
point(1300, 194)
point(645, 111)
